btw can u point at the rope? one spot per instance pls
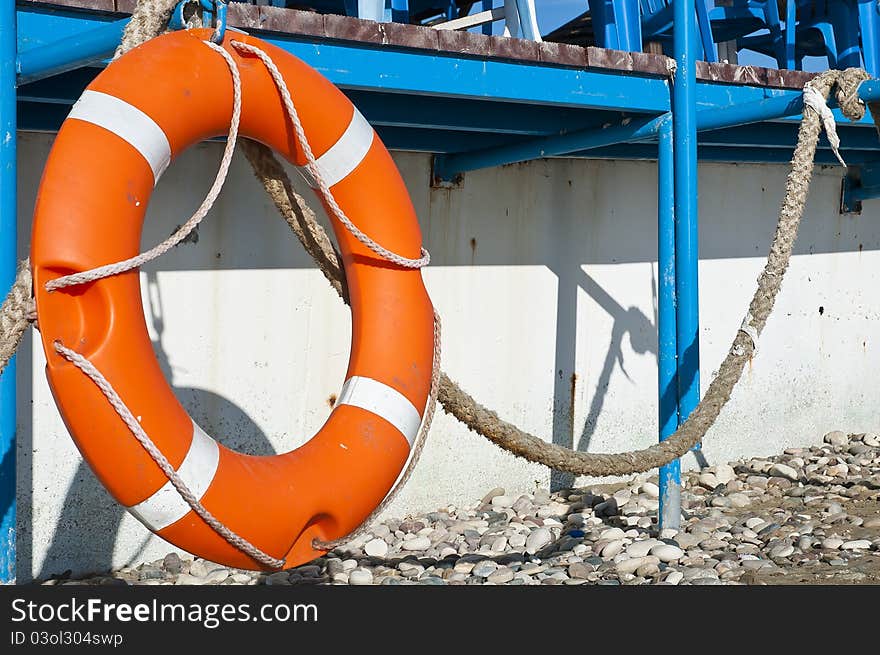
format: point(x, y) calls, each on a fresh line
point(89, 369)
point(383, 252)
point(149, 19)
point(315, 171)
point(162, 462)
point(181, 233)
point(16, 313)
point(418, 445)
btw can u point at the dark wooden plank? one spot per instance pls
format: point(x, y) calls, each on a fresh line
point(278, 19)
point(651, 63)
point(243, 16)
point(499, 47)
point(411, 36)
point(125, 6)
point(346, 28)
point(609, 59)
point(463, 43)
point(104, 6)
point(561, 54)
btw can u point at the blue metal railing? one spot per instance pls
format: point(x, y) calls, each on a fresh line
point(8, 259)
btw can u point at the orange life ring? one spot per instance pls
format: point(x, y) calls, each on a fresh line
point(132, 120)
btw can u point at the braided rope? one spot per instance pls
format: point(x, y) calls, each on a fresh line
point(181, 233)
point(383, 252)
point(315, 171)
point(415, 454)
point(159, 458)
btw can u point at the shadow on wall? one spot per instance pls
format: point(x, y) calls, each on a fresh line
point(87, 502)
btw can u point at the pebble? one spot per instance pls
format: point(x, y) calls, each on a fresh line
point(537, 540)
point(186, 579)
point(502, 501)
point(667, 552)
point(502, 575)
point(198, 569)
point(417, 543)
point(376, 548)
point(832, 543)
point(217, 576)
point(612, 548)
point(635, 563)
point(782, 550)
point(641, 548)
point(650, 489)
point(836, 438)
point(783, 471)
point(484, 569)
point(360, 576)
point(171, 563)
point(725, 473)
point(674, 577)
point(857, 544)
point(581, 571)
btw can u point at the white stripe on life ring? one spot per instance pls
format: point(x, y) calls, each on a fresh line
point(128, 123)
point(197, 471)
point(346, 154)
point(384, 401)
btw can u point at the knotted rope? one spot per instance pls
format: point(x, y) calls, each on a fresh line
point(17, 313)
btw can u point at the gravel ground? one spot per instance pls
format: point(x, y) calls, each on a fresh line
point(810, 515)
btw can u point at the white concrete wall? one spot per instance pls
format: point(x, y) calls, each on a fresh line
point(545, 275)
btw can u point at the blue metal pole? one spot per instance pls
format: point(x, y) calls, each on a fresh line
point(670, 475)
point(791, 59)
point(869, 90)
point(684, 119)
point(8, 238)
point(73, 52)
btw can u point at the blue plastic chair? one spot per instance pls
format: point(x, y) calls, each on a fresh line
point(829, 28)
point(744, 17)
point(657, 19)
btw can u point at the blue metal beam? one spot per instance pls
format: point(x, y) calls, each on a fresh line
point(861, 183)
point(352, 65)
point(386, 109)
point(644, 151)
point(81, 49)
point(775, 104)
point(8, 245)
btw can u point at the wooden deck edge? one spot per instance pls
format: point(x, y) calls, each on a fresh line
point(397, 35)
